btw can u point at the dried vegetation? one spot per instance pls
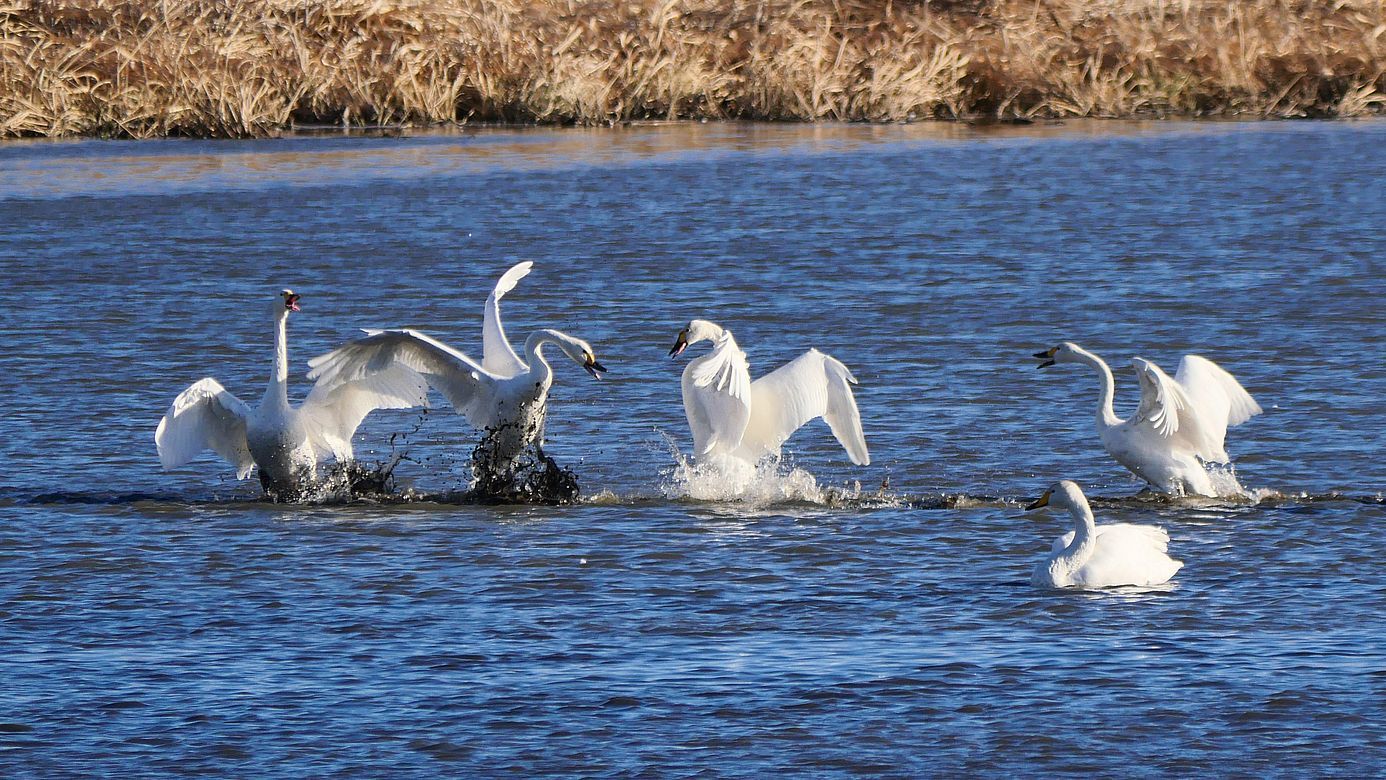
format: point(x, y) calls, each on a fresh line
point(143, 68)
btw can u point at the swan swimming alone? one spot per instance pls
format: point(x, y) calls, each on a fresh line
point(1101, 556)
point(731, 416)
point(1180, 424)
point(285, 443)
point(503, 395)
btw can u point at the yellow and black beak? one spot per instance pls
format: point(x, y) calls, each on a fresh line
point(1047, 356)
point(1042, 501)
point(593, 367)
point(680, 345)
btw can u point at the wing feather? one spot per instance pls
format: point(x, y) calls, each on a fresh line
point(467, 386)
point(716, 397)
point(204, 416)
point(497, 356)
point(333, 415)
point(1216, 400)
point(810, 386)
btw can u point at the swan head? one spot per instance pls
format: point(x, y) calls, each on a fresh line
point(1067, 352)
point(696, 331)
point(1064, 494)
point(288, 301)
point(581, 353)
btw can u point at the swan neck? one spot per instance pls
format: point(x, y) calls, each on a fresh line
point(1084, 541)
point(534, 346)
point(1106, 416)
point(278, 390)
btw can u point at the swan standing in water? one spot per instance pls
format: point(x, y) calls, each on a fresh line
point(1101, 556)
point(1180, 424)
point(731, 416)
point(503, 395)
point(284, 442)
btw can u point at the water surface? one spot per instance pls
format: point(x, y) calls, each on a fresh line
point(172, 623)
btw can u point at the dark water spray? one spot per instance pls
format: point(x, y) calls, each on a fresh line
point(529, 476)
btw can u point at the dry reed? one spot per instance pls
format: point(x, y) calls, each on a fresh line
point(142, 68)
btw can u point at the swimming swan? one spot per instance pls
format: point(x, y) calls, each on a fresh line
point(1180, 424)
point(284, 442)
point(730, 415)
point(503, 395)
point(1101, 556)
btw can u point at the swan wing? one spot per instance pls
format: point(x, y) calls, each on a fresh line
point(205, 416)
point(497, 356)
point(810, 386)
point(717, 397)
point(467, 386)
point(1217, 401)
point(332, 414)
point(1162, 399)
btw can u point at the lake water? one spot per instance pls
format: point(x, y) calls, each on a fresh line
point(172, 623)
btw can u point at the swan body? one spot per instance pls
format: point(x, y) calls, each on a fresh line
point(731, 416)
point(284, 442)
point(1180, 425)
point(504, 395)
point(1101, 556)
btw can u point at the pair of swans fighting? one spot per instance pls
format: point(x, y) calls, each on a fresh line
point(503, 395)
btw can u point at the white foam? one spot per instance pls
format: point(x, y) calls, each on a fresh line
point(770, 481)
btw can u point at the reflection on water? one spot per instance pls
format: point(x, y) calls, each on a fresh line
point(874, 620)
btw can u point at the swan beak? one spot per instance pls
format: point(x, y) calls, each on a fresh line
point(1039, 502)
point(1047, 356)
point(593, 367)
point(291, 301)
point(680, 345)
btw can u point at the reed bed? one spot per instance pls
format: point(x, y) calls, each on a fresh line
point(142, 68)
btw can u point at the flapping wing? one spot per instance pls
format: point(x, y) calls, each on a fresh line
point(333, 415)
point(810, 386)
point(467, 386)
point(717, 397)
point(1216, 400)
point(497, 356)
point(205, 416)
point(1162, 399)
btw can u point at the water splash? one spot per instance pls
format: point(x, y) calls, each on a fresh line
point(770, 481)
point(505, 472)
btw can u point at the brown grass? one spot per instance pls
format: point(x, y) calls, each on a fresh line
point(143, 68)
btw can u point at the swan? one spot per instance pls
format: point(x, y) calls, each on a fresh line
point(731, 416)
point(503, 395)
point(285, 443)
point(1180, 424)
point(1101, 556)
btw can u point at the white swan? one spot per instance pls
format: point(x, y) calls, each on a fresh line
point(503, 395)
point(1180, 424)
point(1101, 556)
point(284, 442)
point(731, 416)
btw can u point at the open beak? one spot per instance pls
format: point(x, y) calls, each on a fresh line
point(680, 345)
point(593, 367)
point(291, 301)
point(1040, 502)
point(1047, 356)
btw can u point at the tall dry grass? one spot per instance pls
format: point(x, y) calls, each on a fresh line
point(144, 68)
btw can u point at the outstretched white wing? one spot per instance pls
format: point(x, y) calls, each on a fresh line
point(1217, 400)
point(205, 416)
point(717, 397)
point(1195, 407)
point(333, 415)
point(468, 387)
point(810, 386)
point(497, 356)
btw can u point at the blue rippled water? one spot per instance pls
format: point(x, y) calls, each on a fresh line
point(878, 621)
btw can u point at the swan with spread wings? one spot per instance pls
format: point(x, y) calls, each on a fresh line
point(1180, 425)
point(731, 416)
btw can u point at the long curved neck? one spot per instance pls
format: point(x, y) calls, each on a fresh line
point(1084, 541)
point(534, 349)
point(1106, 417)
point(278, 391)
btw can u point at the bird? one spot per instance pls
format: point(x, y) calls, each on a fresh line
point(1101, 556)
point(732, 417)
point(284, 442)
point(503, 395)
point(1180, 425)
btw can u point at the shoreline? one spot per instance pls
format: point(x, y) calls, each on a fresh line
point(259, 68)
